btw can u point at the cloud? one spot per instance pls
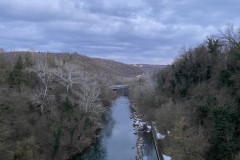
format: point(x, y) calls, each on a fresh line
point(137, 31)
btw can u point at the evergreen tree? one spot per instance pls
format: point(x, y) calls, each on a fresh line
point(14, 77)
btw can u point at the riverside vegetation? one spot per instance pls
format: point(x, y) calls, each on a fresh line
point(51, 104)
point(197, 99)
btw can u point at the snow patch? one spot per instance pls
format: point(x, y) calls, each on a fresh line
point(168, 132)
point(160, 136)
point(149, 127)
point(142, 126)
point(166, 157)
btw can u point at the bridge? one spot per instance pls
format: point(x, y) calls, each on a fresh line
point(120, 89)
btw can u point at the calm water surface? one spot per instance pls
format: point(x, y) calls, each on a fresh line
point(117, 139)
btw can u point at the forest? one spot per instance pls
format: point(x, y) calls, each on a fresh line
point(51, 104)
point(195, 101)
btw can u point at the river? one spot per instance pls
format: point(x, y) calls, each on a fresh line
point(117, 140)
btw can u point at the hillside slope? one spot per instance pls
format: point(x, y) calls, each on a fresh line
point(51, 104)
point(93, 65)
point(195, 102)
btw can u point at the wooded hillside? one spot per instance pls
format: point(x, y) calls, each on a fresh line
point(197, 99)
point(93, 65)
point(51, 104)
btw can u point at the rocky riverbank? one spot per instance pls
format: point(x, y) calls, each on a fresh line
point(140, 128)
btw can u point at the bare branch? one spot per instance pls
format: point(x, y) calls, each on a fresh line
point(68, 75)
point(89, 97)
point(45, 75)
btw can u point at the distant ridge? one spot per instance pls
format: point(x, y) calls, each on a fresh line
point(91, 65)
point(149, 67)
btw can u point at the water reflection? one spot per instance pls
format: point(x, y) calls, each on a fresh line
point(109, 123)
point(95, 152)
point(149, 151)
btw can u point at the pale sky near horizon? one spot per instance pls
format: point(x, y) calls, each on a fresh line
point(129, 31)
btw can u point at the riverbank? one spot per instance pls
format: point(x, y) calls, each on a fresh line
point(144, 130)
point(118, 139)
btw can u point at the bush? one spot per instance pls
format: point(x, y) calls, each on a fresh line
point(187, 142)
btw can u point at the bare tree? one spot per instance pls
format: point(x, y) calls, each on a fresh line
point(230, 36)
point(45, 75)
point(68, 75)
point(31, 50)
point(89, 97)
point(148, 85)
point(14, 55)
point(87, 89)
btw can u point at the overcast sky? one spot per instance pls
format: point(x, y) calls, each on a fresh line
point(129, 31)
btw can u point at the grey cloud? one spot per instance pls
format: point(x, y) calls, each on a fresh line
point(137, 31)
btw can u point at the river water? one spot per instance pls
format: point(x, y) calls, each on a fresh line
point(117, 140)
